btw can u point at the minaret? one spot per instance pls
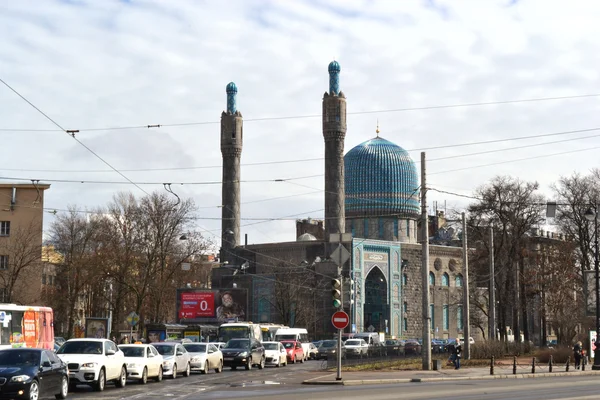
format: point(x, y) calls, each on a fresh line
point(334, 132)
point(231, 149)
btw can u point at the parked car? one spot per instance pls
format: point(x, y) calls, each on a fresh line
point(412, 346)
point(394, 347)
point(143, 362)
point(22, 370)
point(294, 351)
point(204, 356)
point(437, 346)
point(244, 352)
point(313, 352)
point(94, 362)
point(275, 354)
point(181, 341)
point(356, 348)
point(175, 358)
point(471, 340)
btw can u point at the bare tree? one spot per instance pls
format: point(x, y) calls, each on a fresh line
point(24, 250)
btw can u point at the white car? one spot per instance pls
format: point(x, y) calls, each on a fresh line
point(275, 354)
point(93, 362)
point(143, 362)
point(219, 345)
point(356, 348)
point(204, 356)
point(175, 358)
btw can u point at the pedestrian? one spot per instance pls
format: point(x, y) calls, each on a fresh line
point(577, 354)
point(450, 348)
point(457, 354)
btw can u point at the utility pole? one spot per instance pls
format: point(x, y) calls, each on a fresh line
point(492, 294)
point(426, 348)
point(466, 301)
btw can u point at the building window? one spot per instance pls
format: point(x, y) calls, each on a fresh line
point(381, 230)
point(431, 279)
point(3, 262)
point(404, 279)
point(446, 317)
point(366, 222)
point(4, 228)
point(459, 318)
point(405, 307)
point(445, 280)
point(405, 325)
point(458, 280)
point(431, 311)
point(408, 229)
point(43, 279)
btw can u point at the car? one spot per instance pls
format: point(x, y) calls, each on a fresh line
point(94, 362)
point(219, 345)
point(437, 346)
point(294, 351)
point(244, 352)
point(204, 356)
point(356, 348)
point(179, 340)
point(32, 373)
point(412, 346)
point(328, 349)
point(275, 354)
point(175, 358)
point(471, 340)
point(59, 340)
point(313, 352)
point(143, 362)
point(394, 347)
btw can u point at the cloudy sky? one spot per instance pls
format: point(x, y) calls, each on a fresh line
point(107, 64)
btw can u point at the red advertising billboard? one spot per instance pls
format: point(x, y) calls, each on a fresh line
point(211, 306)
point(194, 305)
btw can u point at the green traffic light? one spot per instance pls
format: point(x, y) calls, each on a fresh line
point(337, 303)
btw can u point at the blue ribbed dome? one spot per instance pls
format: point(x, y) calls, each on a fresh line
point(380, 179)
point(334, 66)
point(231, 88)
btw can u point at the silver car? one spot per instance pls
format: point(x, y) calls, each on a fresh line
point(204, 356)
point(176, 358)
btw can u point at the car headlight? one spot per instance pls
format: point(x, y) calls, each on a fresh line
point(133, 365)
point(243, 354)
point(89, 365)
point(20, 378)
point(168, 363)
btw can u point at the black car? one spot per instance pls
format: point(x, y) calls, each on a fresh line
point(32, 374)
point(243, 352)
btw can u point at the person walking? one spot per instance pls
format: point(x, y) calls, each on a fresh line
point(457, 354)
point(578, 354)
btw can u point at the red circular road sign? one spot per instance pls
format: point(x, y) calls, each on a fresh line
point(340, 319)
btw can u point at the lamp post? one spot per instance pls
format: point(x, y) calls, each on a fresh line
point(592, 214)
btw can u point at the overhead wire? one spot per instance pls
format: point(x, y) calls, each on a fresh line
point(259, 119)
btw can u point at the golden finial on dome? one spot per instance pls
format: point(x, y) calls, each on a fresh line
point(377, 129)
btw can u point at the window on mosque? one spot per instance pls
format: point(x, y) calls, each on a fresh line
point(458, 280)
point(405, 307)
point(381, 234)
point(404, 279)
point(445, 280)
point(405, 324)
point(459, 318)
point(431, 279)
point(366, 228)
point(446, 317)
point(431, 311)
point(407, 228)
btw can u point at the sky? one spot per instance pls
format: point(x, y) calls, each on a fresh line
point(122, 64)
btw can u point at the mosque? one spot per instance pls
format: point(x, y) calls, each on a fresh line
point(372, 196)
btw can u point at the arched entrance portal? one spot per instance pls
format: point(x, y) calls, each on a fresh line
point(375, 307)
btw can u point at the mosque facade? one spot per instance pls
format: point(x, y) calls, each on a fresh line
point(372, 195)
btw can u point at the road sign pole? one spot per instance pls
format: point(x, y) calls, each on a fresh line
point(338, 377)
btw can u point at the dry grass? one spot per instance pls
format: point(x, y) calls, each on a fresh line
point(413, 364)
point(559, 355)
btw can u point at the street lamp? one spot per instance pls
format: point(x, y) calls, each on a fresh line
point(591, 214)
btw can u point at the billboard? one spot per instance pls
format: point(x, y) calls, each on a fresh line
point(212, 305)
point(96, 328)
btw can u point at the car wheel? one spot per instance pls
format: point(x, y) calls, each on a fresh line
point(302, 360)
point(205, 370)
point(278, 363)
point(64, 388)
point(249, 364)
point(188, 371)
point(285, 363)
point(262, 363)
point(174, 376)
point(122, 381)
point(294, 360)
point(219, 368)
point(101, 382)
point(144, 379)
point(160, 374)
point(34, 391)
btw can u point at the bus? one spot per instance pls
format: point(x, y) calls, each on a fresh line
point(239, 330)
point(269, 330)
point(26, 326)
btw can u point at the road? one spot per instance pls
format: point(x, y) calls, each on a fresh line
point(278, 383)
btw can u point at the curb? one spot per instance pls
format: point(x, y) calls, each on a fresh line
point(356, 382)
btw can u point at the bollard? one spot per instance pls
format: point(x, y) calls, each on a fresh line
point(533, 366)
point(583, 363)
point(550, 364)
point(492, 366)
point(514, 365)
point(568, 362)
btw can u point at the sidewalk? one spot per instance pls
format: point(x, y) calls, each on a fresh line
point(475, 373)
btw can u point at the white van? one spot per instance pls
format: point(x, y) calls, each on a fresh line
point(299, 334)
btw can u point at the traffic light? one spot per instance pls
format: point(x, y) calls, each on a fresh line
point(336, 285)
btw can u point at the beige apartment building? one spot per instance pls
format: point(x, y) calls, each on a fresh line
point(21, 222)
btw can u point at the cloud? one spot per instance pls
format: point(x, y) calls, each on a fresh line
point(92, 64)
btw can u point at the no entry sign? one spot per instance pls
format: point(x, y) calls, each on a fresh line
point(340, 319)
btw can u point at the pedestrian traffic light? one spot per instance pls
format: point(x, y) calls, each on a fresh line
point(336, 285)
